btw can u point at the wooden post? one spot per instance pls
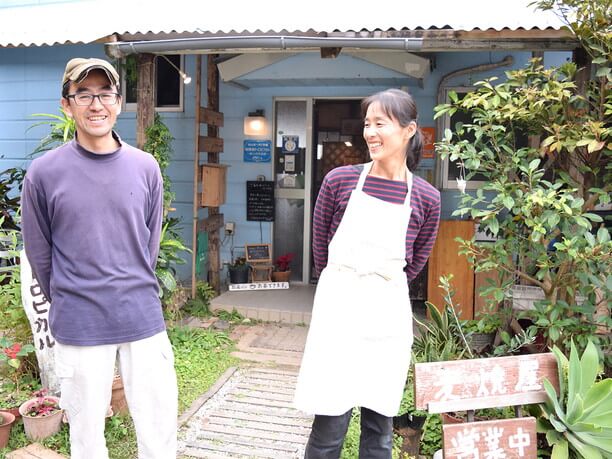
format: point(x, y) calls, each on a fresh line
point(37, 308)
point(145, 110)
point(196, 176)
point(214, 242)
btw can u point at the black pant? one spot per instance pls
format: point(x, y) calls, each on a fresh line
point(328, 432)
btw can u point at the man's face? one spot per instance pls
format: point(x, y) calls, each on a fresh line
point(94, 122)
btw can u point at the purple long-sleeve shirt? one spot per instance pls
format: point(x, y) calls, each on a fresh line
point(333, 198)
point(91, 227)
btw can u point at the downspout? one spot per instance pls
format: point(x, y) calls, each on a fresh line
point(185, 45)
point(506, 61)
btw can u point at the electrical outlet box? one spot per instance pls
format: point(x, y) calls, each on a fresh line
point(230, 227)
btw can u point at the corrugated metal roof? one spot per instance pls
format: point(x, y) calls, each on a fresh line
point(88, 20)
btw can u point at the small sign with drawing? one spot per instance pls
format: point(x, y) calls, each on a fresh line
point(258, 253)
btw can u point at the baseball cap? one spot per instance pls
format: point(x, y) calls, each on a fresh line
point(78, 68)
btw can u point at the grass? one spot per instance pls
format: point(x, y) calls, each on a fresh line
point(201, 356)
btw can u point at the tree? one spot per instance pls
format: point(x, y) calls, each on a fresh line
point(539, 200)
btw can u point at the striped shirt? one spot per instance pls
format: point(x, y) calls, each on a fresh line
point(333, 199)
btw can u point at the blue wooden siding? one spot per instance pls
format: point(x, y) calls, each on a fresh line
point(30, 83)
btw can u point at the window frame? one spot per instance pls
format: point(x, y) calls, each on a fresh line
point(132, 106)
point(448, 183)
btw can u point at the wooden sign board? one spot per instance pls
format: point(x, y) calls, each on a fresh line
point(258, 253)
point(258, 286)
point(507, 438)
point(461, 385)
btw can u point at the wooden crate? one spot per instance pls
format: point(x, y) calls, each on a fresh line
point(213, 178)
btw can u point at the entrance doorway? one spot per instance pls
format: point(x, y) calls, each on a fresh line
point(312, 137)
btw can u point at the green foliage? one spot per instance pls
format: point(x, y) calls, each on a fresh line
point(62, 127)
point(442, 337)
point(233, 316)
point(169, 246)
point(200, 358)
point(13, 319)
point(539, 200)
point(511, 345)
point(578, 420)
point(159, 144)
point(200, 305)
point(10, 196)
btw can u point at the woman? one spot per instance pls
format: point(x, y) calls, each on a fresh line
point(374, 227)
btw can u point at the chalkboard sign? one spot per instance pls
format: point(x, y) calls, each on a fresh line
point(260, 201)
point(257, 253)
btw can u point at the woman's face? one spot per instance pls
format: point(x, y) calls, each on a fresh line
point(386, 139)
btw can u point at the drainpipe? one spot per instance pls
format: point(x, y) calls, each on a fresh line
point(118, 50)
point(506, 61)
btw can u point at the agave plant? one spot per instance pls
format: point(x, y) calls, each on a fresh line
point(578, 421)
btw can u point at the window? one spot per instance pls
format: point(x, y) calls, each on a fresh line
point(451, 170)
point(168, 84)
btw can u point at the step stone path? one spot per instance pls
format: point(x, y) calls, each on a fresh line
point(251, 416)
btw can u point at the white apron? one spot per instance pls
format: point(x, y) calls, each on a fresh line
point(358, 347)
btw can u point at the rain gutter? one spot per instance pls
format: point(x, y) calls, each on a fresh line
point(194, 45)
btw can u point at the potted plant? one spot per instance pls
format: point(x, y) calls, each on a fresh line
point(576, 421)
point(42, 415)
point(238, 271)
point(480, 332)
point(6, 423)
point(281, 272)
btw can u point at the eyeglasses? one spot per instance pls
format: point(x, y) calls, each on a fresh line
point(107, 98)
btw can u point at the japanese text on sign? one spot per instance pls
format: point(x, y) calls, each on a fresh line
point(498, 439)
point(257, 151)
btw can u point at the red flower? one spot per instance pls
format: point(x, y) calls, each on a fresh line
point(11, 352)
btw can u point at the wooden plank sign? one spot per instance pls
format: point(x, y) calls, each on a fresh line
point(258, 253)
point(503, 438)
point(461, 385)
point(211, 117)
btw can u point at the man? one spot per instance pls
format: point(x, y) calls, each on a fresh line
point(91, 217)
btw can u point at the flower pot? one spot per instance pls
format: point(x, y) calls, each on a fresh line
point(479, 342)
point(118, 401)
point(281, 276)
point(239, 274)
point(41, 427)
point(5, 427)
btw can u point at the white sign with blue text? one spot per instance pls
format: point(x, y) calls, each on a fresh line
point(257, 151)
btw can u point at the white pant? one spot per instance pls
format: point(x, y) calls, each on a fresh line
point(149, 379)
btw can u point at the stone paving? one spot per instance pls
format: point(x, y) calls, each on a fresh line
point(249, 413)
point(251, 416)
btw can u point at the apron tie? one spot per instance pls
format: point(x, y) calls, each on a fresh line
point(384, 273)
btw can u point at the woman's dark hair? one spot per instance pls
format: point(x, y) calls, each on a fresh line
point(399, 105)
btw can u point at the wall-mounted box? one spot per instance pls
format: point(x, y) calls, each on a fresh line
point(213, 184)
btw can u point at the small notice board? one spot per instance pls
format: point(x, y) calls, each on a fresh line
point(258, 253)
point(260, 200)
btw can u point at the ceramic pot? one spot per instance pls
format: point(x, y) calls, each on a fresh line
point(281, 276)
point(5, 427)
point(39, 428)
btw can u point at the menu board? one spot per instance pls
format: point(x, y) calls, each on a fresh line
point(260, 201)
